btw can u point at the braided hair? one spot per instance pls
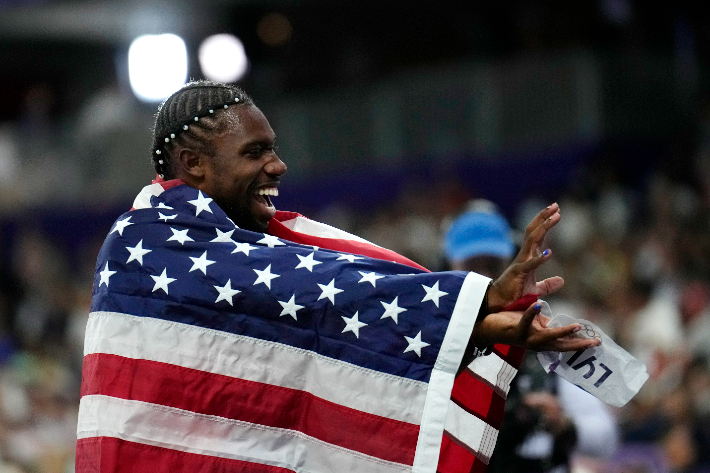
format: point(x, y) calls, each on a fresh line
point(190, 118)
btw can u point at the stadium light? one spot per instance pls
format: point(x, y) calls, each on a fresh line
point(157, 66)
point(222, 58)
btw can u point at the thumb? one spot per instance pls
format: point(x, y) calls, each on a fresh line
point(527, 319)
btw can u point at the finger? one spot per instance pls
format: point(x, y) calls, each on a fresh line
point(572, 344)
point(550, 334)
point(543, 215)
point(550, 285)
point(527, 319)
point(533, 241)
point(526, 267)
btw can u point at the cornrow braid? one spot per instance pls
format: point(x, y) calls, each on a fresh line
point(189, 118)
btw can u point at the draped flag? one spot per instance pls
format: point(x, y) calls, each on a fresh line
point(213, 348)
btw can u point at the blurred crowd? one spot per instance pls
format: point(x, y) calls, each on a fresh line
point(635, 257)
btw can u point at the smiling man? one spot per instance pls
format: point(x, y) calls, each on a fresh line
point(227, 336)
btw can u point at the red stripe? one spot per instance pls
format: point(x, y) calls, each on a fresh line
point(511, 354)
point(478, 399)
point(249, 401)
point(456, 459)
point(167, 184)
point(280, 230)
point(112, 455)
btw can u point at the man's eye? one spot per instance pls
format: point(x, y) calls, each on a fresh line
point(257, 152)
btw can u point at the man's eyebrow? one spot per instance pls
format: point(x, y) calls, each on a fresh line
point(260, 141)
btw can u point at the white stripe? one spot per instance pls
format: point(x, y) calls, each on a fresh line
point(496, 371)
point(471, 431)
point(142, 200)
point(322, 230)
point(186, 431)
point(455, 341)
point(255, 360)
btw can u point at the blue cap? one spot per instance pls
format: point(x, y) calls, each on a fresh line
point(479, 233)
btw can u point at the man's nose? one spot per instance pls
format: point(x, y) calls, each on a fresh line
point(275, 166)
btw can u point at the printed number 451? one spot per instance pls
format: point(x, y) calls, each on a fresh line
point(589, 363)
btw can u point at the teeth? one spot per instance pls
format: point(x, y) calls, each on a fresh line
point(268, 191)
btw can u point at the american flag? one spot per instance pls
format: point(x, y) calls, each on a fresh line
point(213, 348)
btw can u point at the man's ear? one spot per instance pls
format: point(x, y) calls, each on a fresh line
point(190, 165)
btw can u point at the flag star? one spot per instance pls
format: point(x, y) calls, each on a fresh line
point(307, 262)
point(226, 292)
point(315, 248)
point(165, 218)
point(290, 307)
point(223, 237)
point(353, 325)
point(201, 263)
point(105, 275)
point(162, 281)
point(137, 253)
point(162, 205)
point(392, 309)
point(179, 236)
point(415, 344)
point(243, 247)
point(350, 258)
point(433, 293)
point(265, 276)
point(329, 291)
point(369, 277)
point(270, 241)
point(121, 225)
point(201, 203)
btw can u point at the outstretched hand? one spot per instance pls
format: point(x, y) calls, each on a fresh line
point(529, 330)
point(519, 278)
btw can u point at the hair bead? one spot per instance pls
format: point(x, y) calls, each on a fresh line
point(211, 111)
point(157, 151)
point(167, 140)
point(172, 136)
point(185, 127)
point(225, 105)
point(160, 161)
point(197, 118)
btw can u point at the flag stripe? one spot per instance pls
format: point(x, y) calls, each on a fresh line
point(479, 399)
point(163, 426)
point(273, 363)
point(456, 459)
point(494, 371)
point(223, 396)
point(114, 454)
point(471, 432)
point(366, 248)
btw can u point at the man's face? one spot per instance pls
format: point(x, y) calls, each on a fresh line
point(245, 169)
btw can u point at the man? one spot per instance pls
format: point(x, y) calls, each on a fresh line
point(227, 336)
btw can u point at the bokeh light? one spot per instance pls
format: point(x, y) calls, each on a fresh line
point(274, 29)
point(157, 66)
point(223, 58)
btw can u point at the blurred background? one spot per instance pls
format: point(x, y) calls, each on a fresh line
point(391, 115)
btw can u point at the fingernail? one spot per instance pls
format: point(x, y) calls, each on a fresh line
point(577, 329)
point(537, 307)
point(546, 252)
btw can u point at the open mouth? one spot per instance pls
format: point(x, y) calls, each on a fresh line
point(264, 195)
